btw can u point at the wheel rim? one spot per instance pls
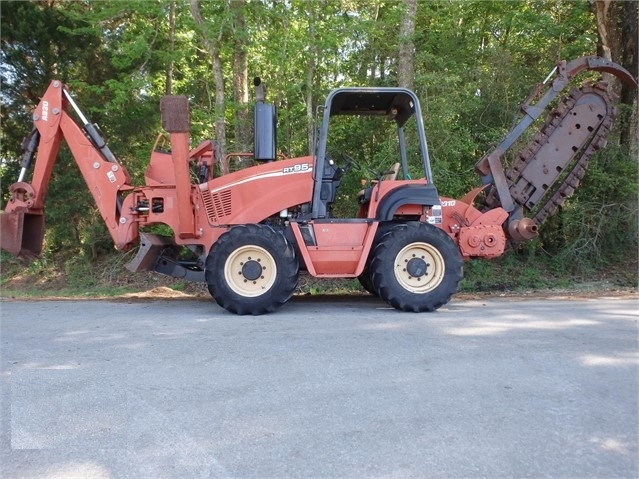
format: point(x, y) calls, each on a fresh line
point(419, 267)
point(250, 271)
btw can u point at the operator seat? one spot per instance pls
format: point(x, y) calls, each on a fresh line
point(364, 196)
point(392, 173)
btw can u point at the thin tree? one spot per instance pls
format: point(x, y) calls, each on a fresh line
point(405, 65)
point(617, 29)
point(212, 45)
point(310, 72)
point(240, 75)
point(168, 85)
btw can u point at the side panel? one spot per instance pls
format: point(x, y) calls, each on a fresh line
point(340, 248)
point(250, 195)
point(253, 194)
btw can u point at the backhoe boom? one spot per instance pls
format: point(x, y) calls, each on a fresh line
point(22, 220)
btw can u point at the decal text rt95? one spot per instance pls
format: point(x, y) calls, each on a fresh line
point(299, 168)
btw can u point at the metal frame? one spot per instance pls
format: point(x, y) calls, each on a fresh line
point(398, 104)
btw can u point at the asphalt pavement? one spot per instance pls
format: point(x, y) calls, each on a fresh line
point(338, 387)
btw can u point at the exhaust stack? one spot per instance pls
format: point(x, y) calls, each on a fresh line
point(264, 122)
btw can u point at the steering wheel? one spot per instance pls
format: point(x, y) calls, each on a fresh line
point(350, 162)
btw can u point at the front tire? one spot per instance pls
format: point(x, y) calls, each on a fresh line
point(366, 277)
point(416, 267)
point(366, 281)
point(251, 269)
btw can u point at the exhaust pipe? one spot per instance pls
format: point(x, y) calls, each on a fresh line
point(264, 119)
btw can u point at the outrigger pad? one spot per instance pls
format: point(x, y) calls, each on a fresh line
point(174, 110)
point(21, 234)
point(151, 246)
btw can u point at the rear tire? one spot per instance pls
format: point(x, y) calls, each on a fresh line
point(416, 267)
point(251, 269)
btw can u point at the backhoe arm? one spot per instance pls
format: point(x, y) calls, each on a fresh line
point(22, 222)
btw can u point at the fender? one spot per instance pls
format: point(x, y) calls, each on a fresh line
point(424, 194)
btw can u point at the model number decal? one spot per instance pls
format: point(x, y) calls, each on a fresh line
point(299, 168)
point(45, 110)
point(449, 203)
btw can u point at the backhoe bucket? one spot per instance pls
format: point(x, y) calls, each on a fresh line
point(21, 233)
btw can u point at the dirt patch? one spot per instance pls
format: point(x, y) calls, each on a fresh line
point(165, 293)
point(161, 292)
point(559, 294)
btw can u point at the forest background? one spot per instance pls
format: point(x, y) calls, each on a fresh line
point(471, 63)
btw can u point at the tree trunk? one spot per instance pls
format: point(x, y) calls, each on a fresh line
point(405, 67)
point(310, 75)
point(212, 48)
point(617, 29)
point(609, 44)
point(629, 19)
point(240, 77)
point(168, 85)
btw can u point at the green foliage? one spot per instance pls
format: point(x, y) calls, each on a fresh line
point(475, 62)
point(510, 272)
point(599, 224)
point(79, 273)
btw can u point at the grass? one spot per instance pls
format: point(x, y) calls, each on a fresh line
point(79, 277)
